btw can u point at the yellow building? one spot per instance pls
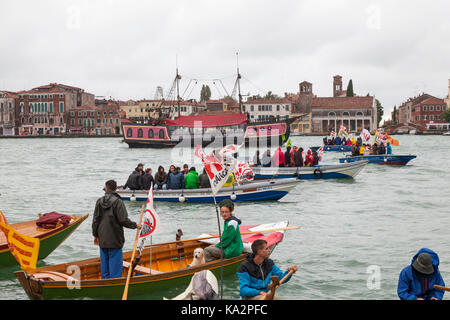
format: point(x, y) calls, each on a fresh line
point(302, 125)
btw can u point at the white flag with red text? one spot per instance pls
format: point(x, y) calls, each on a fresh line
point(365, 135)
point(243, 172)
point(218, 170)
point(150, 222)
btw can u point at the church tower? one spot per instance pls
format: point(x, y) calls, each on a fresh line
point(337, 86)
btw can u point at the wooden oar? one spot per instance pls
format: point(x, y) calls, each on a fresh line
point(274, 286)
point(125, 292)
point(242, 233)
point(441, 288)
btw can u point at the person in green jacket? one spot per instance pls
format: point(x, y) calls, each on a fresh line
point(232, 245)
point(191, 179)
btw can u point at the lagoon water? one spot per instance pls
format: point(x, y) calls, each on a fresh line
point(355, 235)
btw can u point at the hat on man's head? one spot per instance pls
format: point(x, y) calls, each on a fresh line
point(424, 263)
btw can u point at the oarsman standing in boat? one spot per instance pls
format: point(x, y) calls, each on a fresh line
point(254, 273)
point(417, 280)
point(110, 216)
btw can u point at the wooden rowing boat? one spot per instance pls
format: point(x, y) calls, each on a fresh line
point(50, 239)
point(169, 268)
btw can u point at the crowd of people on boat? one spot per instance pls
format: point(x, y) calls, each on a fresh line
point(292, 157)
point(175, 178)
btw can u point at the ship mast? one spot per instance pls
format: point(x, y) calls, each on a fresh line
point(238, 82)
point(177, 79)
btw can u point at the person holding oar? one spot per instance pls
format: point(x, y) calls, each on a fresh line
point(254, 274)
point(110, 216)
point(417, 281)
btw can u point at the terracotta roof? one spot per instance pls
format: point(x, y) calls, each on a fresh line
point(343, 102)
point(10, 94)
point(54, 84)
point(433, 100)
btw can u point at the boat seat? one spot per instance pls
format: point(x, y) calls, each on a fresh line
point(53, 275)
point(141, 269)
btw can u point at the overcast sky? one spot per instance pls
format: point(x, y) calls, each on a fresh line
point(125, 49)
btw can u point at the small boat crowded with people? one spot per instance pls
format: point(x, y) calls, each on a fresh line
point(322, 171)
point(161, 266)
point(387, 159)
point(252, 191)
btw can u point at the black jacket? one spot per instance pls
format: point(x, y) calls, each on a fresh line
point(110, 216)
point(298, 159)
point(203, 181)
point(134, 181)
point(147, 181)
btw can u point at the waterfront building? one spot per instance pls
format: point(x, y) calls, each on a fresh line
point(43, 110)
point(263, 109)
point(325, 114)
point(428, 111)
point(8, 119)
point(405, 109)
point(94, 120)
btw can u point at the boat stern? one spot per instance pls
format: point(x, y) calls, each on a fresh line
point(31, 286)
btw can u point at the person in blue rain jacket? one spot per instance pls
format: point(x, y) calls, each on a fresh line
point(416, 281)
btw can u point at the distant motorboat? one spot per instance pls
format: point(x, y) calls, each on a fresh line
point(387, 159)
point(446, 133)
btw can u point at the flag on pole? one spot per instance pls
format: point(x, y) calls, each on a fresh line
point(24, 248)
point(343, 132)
point(218, 170)
point(320, 152)
point(243, 172)
point(150, 223)
point(333, 134)
point(365, 135)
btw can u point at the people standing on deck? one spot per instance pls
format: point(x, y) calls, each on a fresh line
point(185, 169)
point(316, 158)
point(232, 245)
point(309, 159)
point(191, 179)
point(134, 181)
point(381, 148)
point(292, 156)
point(278, 158)
point(256, 159)
point(338, 141)
point(175, 179)
point(366, 150)
point(287, 157)
point(298, 157)
point(147, 179)
point(161, 179)
point(203, 180)
point(374, 149)
point(349, 142)
point(359, 141)
point(361, 150)
point(325, 141)
point(266, 159)
point(388, 148)
point(355, 150)
point(344, 141)
point(110, 217)
point(255, 272)
point(417, 280)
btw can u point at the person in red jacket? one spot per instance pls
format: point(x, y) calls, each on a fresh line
point(278, 158)
point(309, 159)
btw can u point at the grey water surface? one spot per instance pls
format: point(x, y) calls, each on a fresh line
point(355, 235)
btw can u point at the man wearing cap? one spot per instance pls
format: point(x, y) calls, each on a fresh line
point(134, 181)
point(416, 281)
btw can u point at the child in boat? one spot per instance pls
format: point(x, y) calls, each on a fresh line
point(232, 245)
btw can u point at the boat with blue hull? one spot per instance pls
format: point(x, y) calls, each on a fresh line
point(333, 148)
point(387, 159)
point(338, 171)
point(253, 191)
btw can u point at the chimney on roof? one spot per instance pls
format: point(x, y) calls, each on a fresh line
point(337, 86)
